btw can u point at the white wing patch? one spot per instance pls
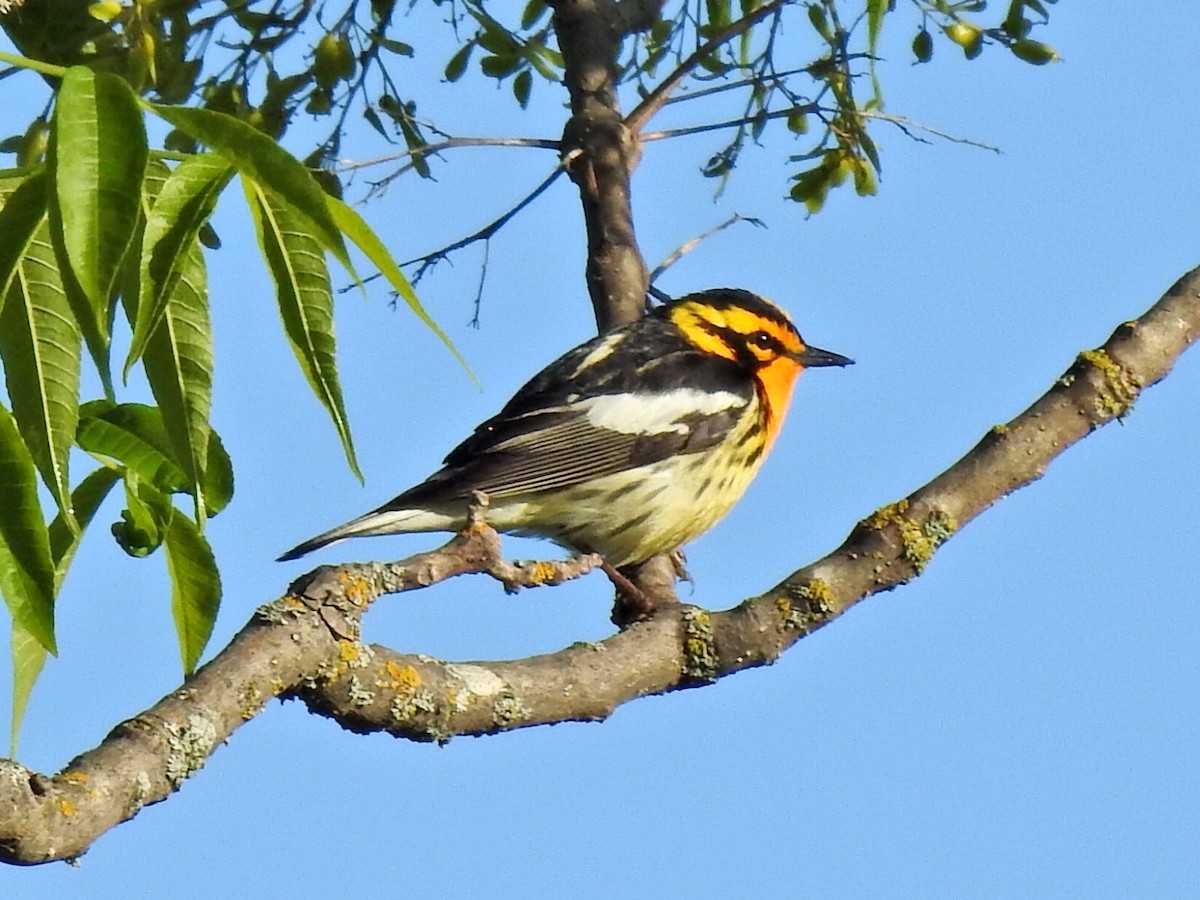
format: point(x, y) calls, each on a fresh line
point(656, 413)
point(603, 350)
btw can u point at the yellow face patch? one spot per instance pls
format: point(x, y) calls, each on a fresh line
point(702, 325)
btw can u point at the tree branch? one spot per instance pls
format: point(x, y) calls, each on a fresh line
point(307, 643)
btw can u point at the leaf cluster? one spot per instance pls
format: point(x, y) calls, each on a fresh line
point(262, 62)
point(101, 226)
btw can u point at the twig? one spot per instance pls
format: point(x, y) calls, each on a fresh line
point(449, 144)
point(655, 100)
point(730, 123)
point(907, 125)
point(689, 245)
point(427, 260)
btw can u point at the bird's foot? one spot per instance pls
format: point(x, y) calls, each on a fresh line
point(642, 589)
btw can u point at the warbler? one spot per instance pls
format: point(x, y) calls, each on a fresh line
point(628, 446)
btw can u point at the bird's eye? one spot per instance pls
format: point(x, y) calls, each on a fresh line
point(762, 339)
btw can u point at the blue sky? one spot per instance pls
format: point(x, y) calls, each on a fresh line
point(1020, 721)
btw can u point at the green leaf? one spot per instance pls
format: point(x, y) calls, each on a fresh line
point(28, 658)
point(151, 519)
point(811, 188)
point(142, 525)
point(922, 46)
point(56, 272)
point(458, 62)
point(305, 299)
point(876, 10)
point(85, 500)
point(1034, 52)
point(179, 366)
point(533, 11)
point(360, 233)
point(375, 122)
point(195, 586)
point(26, 569)
point(99, 156)
point(500, 66)
point(182, 207)
point(22, 213)
point(398, 47)
point(39, 341)
point(134, 435)
point(177, 357)
point(261, 159)
point(521, 87)
point(218, 476)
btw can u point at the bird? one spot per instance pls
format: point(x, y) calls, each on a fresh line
point(628, 446)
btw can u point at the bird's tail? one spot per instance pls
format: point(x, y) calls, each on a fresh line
point(379, 521)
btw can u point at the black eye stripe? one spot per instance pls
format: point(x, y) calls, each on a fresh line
point(741, 343)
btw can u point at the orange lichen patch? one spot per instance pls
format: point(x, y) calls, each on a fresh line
point(356, 588)
point(67, 807)
point(543, 572)
point(402, 678)
point(74, 777)
point(348, 651)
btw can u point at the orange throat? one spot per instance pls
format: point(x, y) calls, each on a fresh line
point(775, 383)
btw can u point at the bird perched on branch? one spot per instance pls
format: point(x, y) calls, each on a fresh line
point(628, 446)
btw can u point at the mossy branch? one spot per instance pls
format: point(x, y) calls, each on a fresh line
point(307, 644)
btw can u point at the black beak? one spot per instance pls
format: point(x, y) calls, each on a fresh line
point(814, 356)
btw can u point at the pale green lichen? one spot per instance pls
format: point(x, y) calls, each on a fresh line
point(508, 710)
point(412, 698)
point(806, 605)
point(327, 671)
point(357, 694)
point(919, 542)
point(284, 611)
point(188, 747)
point(251, 700)
point(1118, 388)
point(142, 784)
point(13, 772)
point(407, 706)
point(940, 527)
point(700, 660)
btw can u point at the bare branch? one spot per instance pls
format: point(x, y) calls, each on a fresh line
point(307, 643)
